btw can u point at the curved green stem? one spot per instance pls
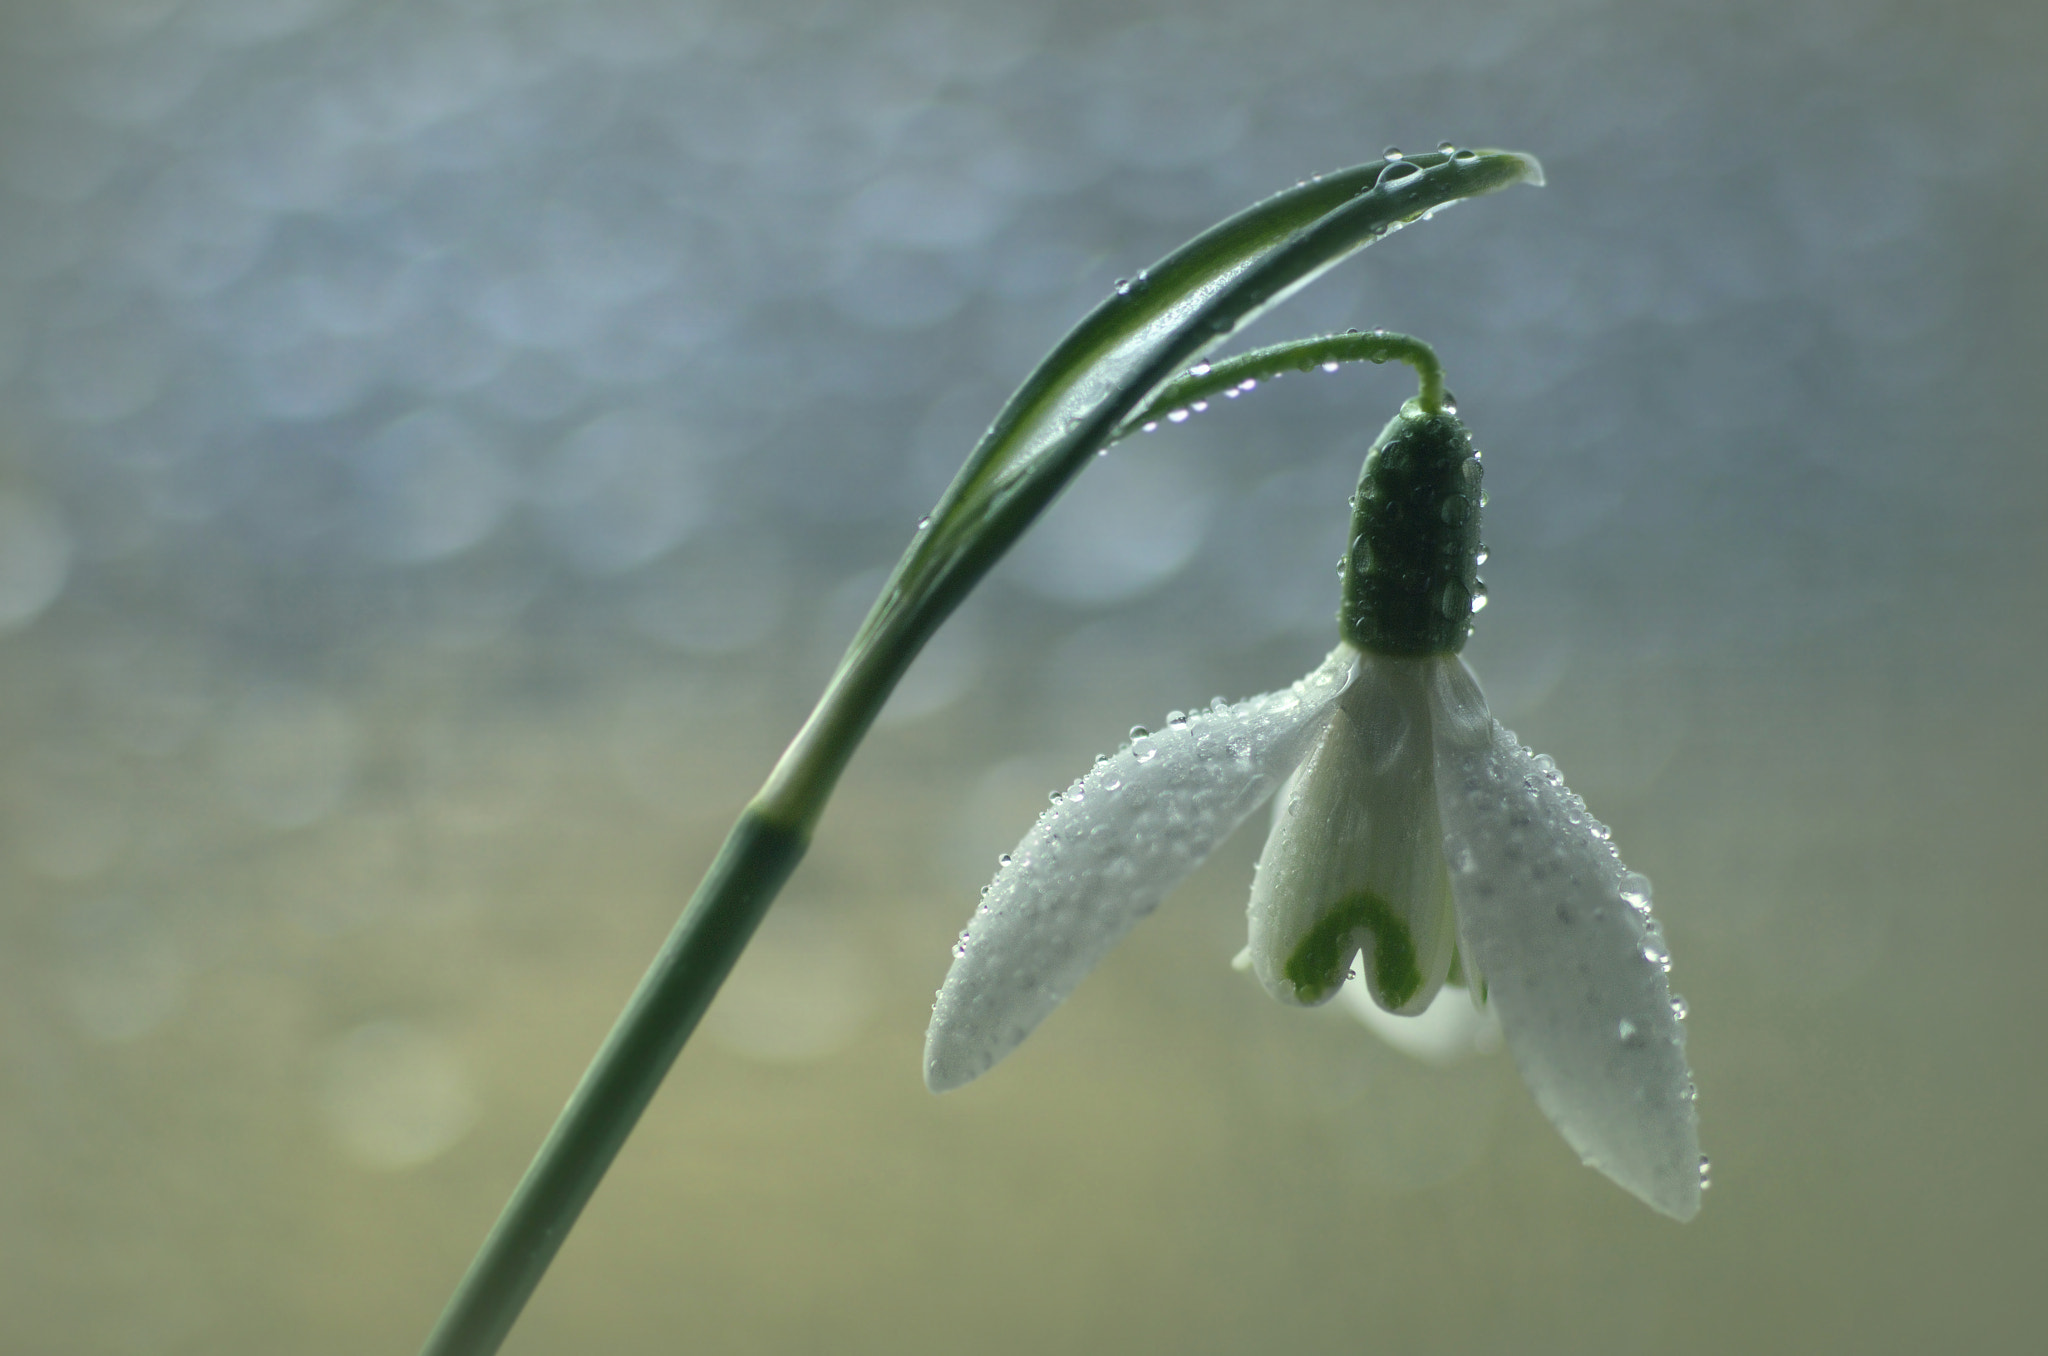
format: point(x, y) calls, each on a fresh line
point(1072, 405)
point(1228, 377)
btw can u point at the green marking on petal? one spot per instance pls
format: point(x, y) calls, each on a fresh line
point(1319, 964)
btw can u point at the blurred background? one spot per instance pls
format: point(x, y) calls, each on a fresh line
point(445, 445)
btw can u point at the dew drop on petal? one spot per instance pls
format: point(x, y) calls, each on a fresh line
point(1144, 750)
point(1139, 732)
point(1200, 369)
point(1678, 1007)
point(1706, 1173)
point(1176, 720)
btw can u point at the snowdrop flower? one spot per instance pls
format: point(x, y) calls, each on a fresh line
point(1415, 839)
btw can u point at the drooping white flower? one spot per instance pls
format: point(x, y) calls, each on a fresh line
point(1417, 841)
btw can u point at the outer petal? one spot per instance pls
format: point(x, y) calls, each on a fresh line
point(1572, 962)
point(1355, 860)
point(1103, 858)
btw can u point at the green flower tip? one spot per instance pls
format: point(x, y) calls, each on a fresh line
point(1411, 572)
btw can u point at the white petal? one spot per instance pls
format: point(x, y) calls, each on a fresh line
point(1355, 861)
point(1099, 861)
point(1560, 931)
point(1454, 1028)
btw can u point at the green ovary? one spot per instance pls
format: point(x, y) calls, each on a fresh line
point(1320, 961)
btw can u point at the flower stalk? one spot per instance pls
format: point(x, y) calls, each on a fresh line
point(1081, 398)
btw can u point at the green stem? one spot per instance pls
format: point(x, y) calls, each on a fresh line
point(1228, 376)
point(750, 869)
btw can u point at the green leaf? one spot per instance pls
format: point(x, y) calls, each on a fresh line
point(1079, 398)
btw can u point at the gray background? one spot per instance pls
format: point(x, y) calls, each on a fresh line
point(444, 446)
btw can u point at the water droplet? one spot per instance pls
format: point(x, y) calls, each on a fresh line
point(1399, 173)
point(1599, 830)
point(1003, 860)
point(1706, 1173)
point(1657, 954)
point(1200, 369)
point(1248, 384)
point(1056, 798)
point(1689, 1093)
point(1123, 287)
point(1219, 706)
point(1483, 500)
point(1150, 426)
point(1199, 406)
point(1111, 782)
point(1479, 595)
point(1077, 792)
point(1144, 750)
point(1625, 1029)
point(924, 522)
point(1139, 732)
point(1465, 157)
point(1482, 555)
point(1177, 417)
point(1635, 891)
point(1447, 148)
point(1331, 366)
point(1678, 1007)
point(1392, 153)
point(1176, 720)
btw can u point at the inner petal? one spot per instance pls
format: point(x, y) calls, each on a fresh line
point(1354, 865)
